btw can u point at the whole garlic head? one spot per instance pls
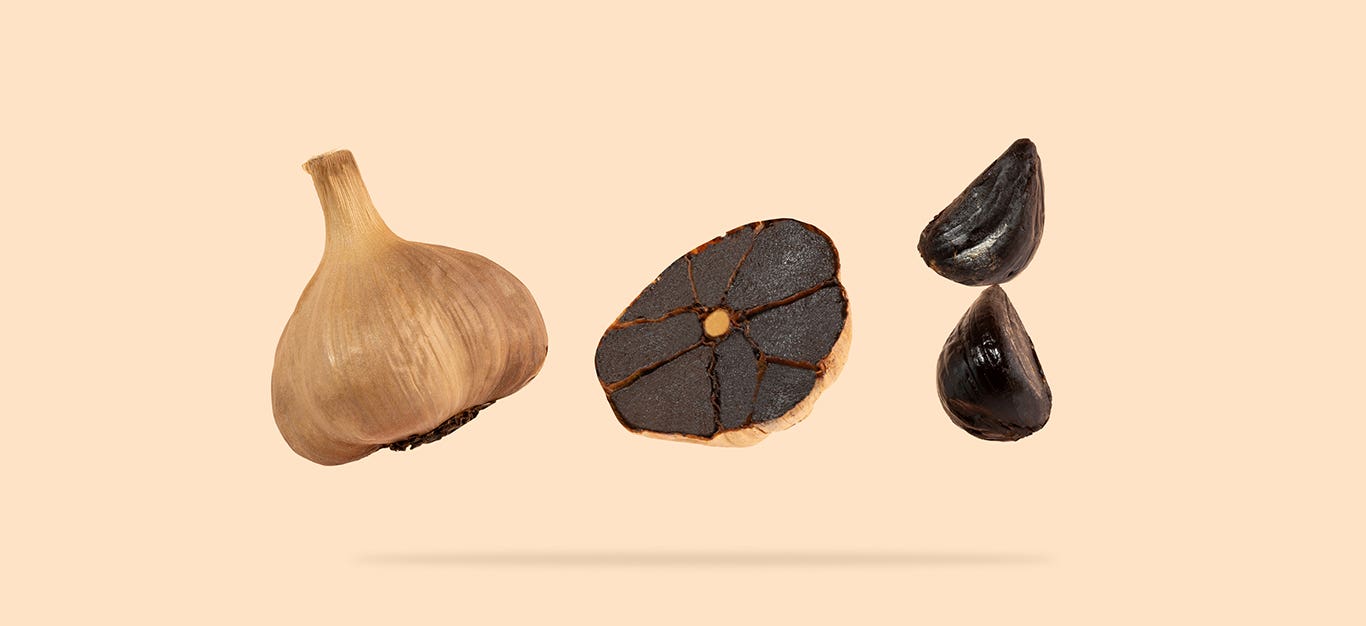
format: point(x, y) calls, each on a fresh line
point(395, 343)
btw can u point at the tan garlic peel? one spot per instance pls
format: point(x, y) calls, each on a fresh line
point(394, 343)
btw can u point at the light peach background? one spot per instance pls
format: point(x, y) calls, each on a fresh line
point(1195, 304)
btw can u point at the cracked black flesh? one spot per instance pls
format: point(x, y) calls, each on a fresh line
point(777, 280)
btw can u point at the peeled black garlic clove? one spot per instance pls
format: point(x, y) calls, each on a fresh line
point(989, 233)
point(394, 343)
point(733, 341)
point(990, 380)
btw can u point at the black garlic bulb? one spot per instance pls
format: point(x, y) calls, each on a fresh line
point(990, 232)
point(734, 341)
point(990, 380)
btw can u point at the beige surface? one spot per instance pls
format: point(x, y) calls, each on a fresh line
point(1194, 305)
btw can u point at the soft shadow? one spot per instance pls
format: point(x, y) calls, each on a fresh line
point(677, 559)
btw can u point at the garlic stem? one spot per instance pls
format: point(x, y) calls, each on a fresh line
point(352, 221)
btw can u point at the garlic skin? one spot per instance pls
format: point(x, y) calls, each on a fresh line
point(392, 338)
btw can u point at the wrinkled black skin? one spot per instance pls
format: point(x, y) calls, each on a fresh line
point(989, 233)
point(988, 387)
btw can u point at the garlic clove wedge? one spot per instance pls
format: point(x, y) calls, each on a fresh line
point(990, 232)
point(989, 377)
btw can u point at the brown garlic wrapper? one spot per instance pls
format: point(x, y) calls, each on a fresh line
point(394, 343)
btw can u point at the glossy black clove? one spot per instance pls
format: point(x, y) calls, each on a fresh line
point(990, 232)
point(990, 380)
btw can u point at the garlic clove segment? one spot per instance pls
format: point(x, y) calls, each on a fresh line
point(989, 378)
point(990, 232)
point(394, 343)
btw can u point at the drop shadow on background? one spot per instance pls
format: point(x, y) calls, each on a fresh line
point(686, 559)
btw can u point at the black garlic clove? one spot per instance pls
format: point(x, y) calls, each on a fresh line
point(989, 233)
point(990, 380)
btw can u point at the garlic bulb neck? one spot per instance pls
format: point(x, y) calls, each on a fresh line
point(352, 221)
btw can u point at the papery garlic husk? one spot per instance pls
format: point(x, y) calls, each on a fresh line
point(395, 343)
